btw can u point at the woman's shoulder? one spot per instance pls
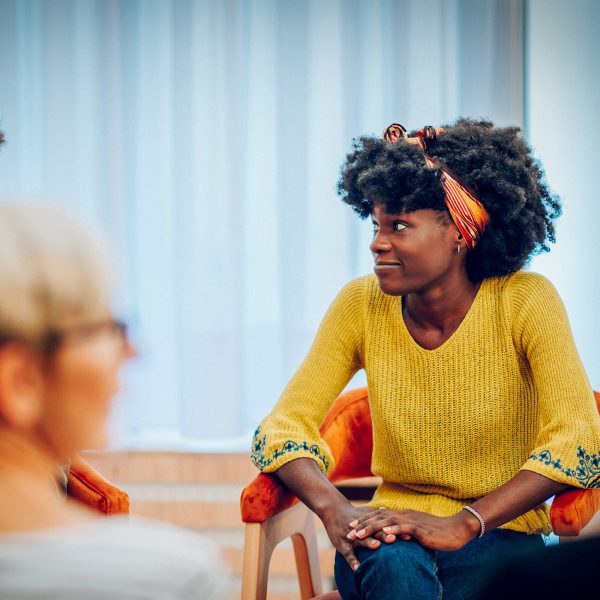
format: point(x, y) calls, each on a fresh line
point(168, 538)
point(134, 552)
point(358, 292)
point(365, 287)
point(361, 285)
point(178, 554)
point(527, 299)
point(524, 287)
point(119, 532)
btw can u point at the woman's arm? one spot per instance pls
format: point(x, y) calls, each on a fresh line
point(288, 442)
point(523, 492)
point(291, 430)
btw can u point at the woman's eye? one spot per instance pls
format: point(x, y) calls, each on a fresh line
point(399, 226)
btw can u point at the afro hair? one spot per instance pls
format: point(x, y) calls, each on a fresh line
point(495, 162)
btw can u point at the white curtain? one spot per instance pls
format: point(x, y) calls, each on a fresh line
point(563, 51)
point(205, 138)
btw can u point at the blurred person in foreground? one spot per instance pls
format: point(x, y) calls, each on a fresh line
point(481, 408)
point(60, 355)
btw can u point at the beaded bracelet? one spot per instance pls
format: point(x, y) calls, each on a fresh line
point(478, 517)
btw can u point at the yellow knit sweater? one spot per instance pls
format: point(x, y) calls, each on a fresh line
point(505, 392)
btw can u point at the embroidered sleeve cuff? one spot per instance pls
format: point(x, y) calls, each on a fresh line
point(582, 471)
point(269, 457)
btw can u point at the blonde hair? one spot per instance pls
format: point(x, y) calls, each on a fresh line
point(53, 272)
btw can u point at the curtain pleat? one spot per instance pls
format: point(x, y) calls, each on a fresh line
point(205, 138)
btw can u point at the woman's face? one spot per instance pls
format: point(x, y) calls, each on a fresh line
point(413, 251)
point(79, 382)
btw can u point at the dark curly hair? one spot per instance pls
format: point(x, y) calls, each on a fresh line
point(495, 162)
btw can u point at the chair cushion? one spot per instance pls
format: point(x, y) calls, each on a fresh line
point(86, 485)
point(573, 509)
point(264, 497)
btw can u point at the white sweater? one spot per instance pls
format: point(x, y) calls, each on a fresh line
point(115, 558)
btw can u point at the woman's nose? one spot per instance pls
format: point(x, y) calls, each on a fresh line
point(379, 243)
point(129, 350)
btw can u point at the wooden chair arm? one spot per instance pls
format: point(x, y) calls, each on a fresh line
point(86, 485)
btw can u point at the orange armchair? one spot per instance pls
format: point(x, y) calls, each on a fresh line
point(272, 513)
point(86, 485)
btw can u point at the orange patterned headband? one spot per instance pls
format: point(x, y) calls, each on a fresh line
point(467, 212)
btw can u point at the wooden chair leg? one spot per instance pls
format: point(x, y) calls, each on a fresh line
point(296, 522)
point(255, 569)
point(306, 554)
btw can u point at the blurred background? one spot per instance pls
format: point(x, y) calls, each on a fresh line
point(203, 138)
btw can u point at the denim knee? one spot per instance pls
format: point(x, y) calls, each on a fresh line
point(392, 571)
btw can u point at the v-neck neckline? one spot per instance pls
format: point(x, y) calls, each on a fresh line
point(462, 325)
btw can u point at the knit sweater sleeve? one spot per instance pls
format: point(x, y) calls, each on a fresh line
point(291, 430)
point(567, 448)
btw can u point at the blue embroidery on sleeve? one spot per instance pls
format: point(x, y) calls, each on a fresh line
point(587, 473)
point(262, 462)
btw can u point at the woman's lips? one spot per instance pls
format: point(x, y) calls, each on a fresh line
point(383, 268)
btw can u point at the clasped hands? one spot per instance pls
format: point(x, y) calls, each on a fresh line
point(372, 528)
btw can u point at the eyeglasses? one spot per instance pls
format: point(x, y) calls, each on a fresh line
point(53, 339)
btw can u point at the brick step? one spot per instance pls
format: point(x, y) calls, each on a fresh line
point(173, 467)
point(197, 515)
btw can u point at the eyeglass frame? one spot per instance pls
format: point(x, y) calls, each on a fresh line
point(53, 339)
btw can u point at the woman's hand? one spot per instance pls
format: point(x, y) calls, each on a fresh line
point(336, 520)
point(303, 477)
point(437, 533)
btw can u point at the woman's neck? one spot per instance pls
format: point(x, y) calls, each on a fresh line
point(31, 498)
point(443, 305)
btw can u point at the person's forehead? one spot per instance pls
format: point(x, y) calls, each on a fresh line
point(381, 212)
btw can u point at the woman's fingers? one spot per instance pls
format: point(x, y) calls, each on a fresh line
point(347, 552)
point(369, 542)
point(373, 541)
point(403, 530)
point(372, 526)
point(380, 535)
point(388, 538)
point(381, 525)
point(369, 515)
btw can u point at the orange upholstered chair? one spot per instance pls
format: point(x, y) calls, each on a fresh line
point(86, 485)
point(272, 513)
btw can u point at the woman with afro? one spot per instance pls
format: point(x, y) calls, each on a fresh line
point(481, 408)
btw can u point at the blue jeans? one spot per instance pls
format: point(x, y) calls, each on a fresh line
point(407, 570)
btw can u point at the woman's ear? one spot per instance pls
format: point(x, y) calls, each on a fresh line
point(21, 387)
point(460, 242)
